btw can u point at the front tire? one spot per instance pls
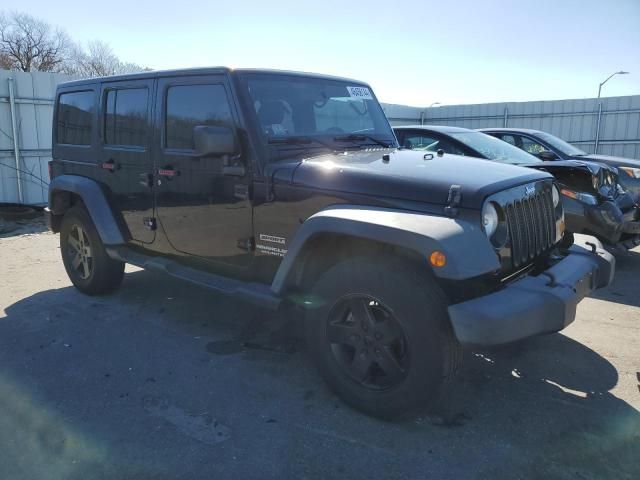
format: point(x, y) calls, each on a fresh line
point(379, 333)
point(89, 267)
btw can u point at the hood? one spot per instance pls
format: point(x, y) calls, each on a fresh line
point(411, 175)
point(578, 175)
point(613, 161)
point(563, 165)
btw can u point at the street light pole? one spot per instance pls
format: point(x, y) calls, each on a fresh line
point(422, 114)
point(609, 78)
point(621, 72)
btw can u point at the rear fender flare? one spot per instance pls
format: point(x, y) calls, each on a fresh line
point(94, 200)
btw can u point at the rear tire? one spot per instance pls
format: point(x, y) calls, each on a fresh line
point(89, 267)
point(380, 335)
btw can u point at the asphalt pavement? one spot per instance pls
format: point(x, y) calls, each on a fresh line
point(164, 380)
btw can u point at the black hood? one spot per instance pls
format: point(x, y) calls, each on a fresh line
point(411, 175)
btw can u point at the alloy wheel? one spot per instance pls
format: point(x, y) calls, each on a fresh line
point(79, 251)
point(368, 342)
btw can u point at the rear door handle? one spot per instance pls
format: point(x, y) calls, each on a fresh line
point(110, 165)
point(168, 172)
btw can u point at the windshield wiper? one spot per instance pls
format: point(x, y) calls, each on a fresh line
point(360, 137)
point(298, 141)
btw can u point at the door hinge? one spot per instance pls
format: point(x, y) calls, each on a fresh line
point(241, 191)
point(453, 200)
point(150, 223)
point(248, 244)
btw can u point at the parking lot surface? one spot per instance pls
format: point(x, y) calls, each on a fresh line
point(164, 380)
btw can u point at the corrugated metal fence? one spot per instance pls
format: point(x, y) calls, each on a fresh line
point(26, 107)
point(573, 120)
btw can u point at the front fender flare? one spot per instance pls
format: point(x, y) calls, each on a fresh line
point(94, 200)
point(465, 245)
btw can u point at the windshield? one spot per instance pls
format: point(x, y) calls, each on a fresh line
point(317, 113)
point(561, 145)
point(494, 149)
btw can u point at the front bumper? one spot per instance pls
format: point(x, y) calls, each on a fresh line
point(535, 305)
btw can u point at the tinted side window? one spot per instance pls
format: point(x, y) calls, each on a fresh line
point(125, 121)
point(74, 118)
point(431, 143)
point(511, 139)
point(192, 105)
point(531, 146)
point(421, 141)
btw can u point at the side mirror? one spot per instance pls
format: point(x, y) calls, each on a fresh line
point(546, 155)
point(214, 140)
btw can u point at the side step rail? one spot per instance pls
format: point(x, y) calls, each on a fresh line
point(256, 293)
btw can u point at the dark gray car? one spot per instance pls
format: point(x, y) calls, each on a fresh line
point(549, 147)
point(594, 203)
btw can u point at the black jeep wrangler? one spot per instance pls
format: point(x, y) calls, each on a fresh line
point(287, 190)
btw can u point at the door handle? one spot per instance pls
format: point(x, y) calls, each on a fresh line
point(168, 172)
point(110, 165)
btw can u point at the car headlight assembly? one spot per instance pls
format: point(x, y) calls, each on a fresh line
point(580, 196)
point(632, 172)
point(490, 219)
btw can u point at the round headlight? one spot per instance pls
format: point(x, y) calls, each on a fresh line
point(555, 195)
point(489, 219)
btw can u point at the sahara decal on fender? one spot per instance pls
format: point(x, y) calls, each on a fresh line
point(272, 239)
point(271, 250)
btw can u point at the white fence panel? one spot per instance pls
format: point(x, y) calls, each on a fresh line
point(33, 94)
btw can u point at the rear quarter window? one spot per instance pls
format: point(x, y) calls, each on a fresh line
point(125, 121)
point(74, 117)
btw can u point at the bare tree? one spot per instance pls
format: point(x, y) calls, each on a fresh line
point(5, 61)
point(27, 43)
point(98, 60)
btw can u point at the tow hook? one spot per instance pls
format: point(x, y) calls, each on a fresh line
point(552, 279)
point(594, 249)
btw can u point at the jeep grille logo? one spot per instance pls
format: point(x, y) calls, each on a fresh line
point(529, 190)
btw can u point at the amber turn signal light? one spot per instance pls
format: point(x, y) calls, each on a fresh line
point(437, 259)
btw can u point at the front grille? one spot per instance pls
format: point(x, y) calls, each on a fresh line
point(532, 226)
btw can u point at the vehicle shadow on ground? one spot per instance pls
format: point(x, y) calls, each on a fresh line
point(163, 379)
point(625, 288)
point(12, 228)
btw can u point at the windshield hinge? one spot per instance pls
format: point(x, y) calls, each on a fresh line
point(453, 200)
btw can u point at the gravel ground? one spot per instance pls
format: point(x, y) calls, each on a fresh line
point(153, 382)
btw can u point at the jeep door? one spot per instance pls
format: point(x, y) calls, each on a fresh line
point(203, 211)
point(125, 158)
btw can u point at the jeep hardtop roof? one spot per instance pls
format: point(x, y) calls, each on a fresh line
point(202, 71)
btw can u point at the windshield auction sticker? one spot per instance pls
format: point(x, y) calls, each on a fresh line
point(360, 92)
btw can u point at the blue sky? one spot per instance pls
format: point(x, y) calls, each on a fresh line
point(412, 52)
